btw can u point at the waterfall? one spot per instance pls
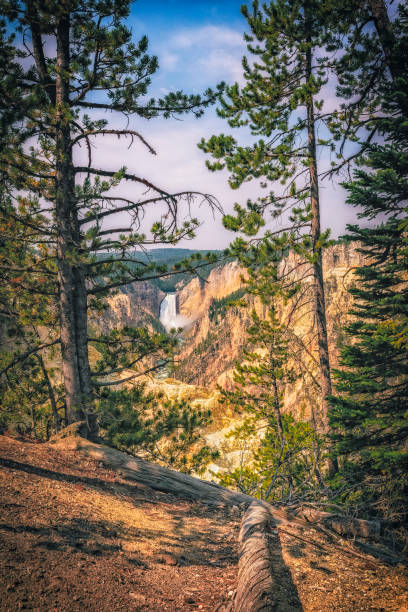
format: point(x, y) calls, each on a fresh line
point(168, 311)
point(169, 317)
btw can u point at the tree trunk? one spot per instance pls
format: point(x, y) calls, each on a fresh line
point(385, 33)
point(55, 415)
point(71, 277)
point(81, 332)
point(65, 205)
point(319, 297)
point(277, 411)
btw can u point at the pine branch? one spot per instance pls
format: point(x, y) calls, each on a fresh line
point(126, 176)
point(24, 356)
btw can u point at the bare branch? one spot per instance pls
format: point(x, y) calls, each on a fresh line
point(133, 205)
point(126, 176)
point(117, 133)
point(138, 375)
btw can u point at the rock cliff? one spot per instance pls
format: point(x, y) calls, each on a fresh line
point(216, 338)
point(195, 298)
point(136, 305)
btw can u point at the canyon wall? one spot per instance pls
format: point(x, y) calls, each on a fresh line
point(216, 338)
point(194, 299)
point(216, 335)
point(136, 305)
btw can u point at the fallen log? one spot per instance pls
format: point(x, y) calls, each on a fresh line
point(255, 586)
point(342, 525)
point(153, 475)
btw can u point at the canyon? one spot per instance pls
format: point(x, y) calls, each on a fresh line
point(214, 332)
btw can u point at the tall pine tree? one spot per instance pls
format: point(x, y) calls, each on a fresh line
point(78, 58)
point(369, 413)
point(279, 103)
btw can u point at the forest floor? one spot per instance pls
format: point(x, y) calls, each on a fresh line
point(76, 536)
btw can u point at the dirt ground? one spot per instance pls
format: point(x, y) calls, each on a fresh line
point(76, 536)
point(320, 572)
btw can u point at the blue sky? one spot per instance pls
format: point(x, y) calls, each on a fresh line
point(198, 44)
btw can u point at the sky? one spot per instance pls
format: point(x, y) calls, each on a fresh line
point(198, 44)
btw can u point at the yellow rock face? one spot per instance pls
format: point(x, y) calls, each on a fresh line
point(213, 345)
point(195, 299)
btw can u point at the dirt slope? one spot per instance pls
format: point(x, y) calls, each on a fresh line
point(76, 535)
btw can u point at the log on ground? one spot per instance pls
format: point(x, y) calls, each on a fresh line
point(155, 476)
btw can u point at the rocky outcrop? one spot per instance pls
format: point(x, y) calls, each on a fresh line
point(145, 294)
point(136, 305)
point(195, 298)
point(216, 339)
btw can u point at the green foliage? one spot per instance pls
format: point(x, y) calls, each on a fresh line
point(269, 470)
point(163, 431)
point(128, 347)
point(25, 400)
point(205, 343)
point(369, 412)
point(27, 305)
point(218, 308)
point(362, 70)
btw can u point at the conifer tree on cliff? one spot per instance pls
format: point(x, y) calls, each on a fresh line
point(369, 414)
point(70, 60)
point(280, 456)
point(278, 102)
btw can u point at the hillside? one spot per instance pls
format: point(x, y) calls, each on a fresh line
point(79, 535)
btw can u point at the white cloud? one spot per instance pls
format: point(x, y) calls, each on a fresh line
point(220, 64)
point(208, 36)
point(195, 58)
point(168, 61)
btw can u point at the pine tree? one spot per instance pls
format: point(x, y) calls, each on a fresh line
point(168, 433)
point(279, 104)
point(364, 35)
point(280, 457)
point(31, 400)
point(65, 206)
point(369, 413)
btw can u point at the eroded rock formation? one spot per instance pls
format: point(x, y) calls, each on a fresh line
point(215, 340)
point(136, 305)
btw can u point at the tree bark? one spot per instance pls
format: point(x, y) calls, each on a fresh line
point(319, 296)
point(385, 33)
point(65, 205)
point(81, 332)
point(277, 411)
